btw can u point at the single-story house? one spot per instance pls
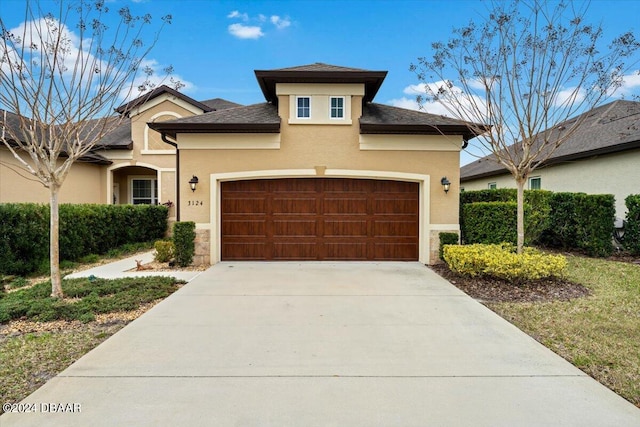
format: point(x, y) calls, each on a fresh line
point(316, 172)
point(601, 157)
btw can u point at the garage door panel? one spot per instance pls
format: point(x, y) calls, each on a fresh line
point(319, 219)
point(293, 185)
point(394, 229)
point(394, 250)
point(245, 250)
point(294, 205)
point(244, 205)
point(244, 227)
point(289, 228)
point(295, 251)
point(345, 228)
point(249, 186)
point(345, 251)
point(345, 206)
point(395, 206)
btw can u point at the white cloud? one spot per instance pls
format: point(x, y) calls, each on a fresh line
point(237, 14)
point(569, 96)
point(465, 105)
point(631, 84)
point(158, 78)
point(256, 30)
point(280, 23)
point(245, 31)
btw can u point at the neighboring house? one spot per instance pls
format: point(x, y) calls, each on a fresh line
point(317, 172)
point(130, 165)
point(601, 157)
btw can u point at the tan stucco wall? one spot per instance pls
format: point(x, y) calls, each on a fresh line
point(84, 184)
point(617, 174)
point(313, 147)
point(308, 146)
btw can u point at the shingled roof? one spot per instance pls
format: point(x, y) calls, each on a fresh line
point(262, 118)
point(9, 120)
point(610, 128)
point(319, 73)
point(383, 119)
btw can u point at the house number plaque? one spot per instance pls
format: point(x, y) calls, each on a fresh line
point(195, 203)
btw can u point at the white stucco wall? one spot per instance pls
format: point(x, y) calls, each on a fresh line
point(617, 174)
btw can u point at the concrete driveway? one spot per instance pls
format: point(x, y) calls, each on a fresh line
point(323, 344)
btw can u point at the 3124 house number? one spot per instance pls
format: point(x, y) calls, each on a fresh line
point(195, 203)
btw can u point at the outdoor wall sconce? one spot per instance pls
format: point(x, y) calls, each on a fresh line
point(193, 182)
point(445, 184)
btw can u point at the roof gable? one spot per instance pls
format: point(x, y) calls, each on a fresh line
point(157, 92)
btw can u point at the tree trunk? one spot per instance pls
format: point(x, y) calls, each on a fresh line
point(520, 215)
point(54, 244)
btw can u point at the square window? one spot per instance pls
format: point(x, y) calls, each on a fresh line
point(535, 183)
point(144, 191)
point(337, 107)
point(492, 186)
point(304, 107)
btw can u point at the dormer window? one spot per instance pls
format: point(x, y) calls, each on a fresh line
point(337, 107)
point(304, 107)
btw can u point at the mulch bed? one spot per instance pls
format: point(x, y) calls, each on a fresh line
point(490, 290)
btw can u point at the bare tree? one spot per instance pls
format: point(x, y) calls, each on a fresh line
point(525, 71)
point(62, 74)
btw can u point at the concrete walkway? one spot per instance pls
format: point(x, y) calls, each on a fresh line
point(118, 269)
point(323, 344)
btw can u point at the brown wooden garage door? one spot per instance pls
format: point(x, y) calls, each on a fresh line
point(319, 219)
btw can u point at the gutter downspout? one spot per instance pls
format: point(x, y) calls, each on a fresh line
point(174, 144)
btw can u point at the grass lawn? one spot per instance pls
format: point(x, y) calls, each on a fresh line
point(41, 336)
point(599, 334)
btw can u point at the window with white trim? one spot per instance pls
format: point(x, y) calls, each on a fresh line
point(144, 191)
point(336, 107)
point(492, 186)
point(535, 183)
point(304, 107)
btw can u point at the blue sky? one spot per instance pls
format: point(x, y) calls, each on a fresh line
point(214, 46)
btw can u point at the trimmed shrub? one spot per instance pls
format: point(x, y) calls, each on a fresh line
point(489, 222)
point(84, 229)
point(502, 262)
point(165, 250)
point(631, 237)
point(495, 195)
point(537, 208)
point(596, 215)
point(447, 239)
point(563, 221)
point(24, 237)
point(184, 235)
point(536, 215)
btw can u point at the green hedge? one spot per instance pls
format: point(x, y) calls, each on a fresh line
point(184, 235)
point(566, 220)
point(84, 229)
point(489, 222)
point(631, 237)
point(447, 238)
point(537, 207)
point(596, 215)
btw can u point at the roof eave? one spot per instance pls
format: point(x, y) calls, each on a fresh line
point(267, 80)
point(173, 129)
point(403, 129)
